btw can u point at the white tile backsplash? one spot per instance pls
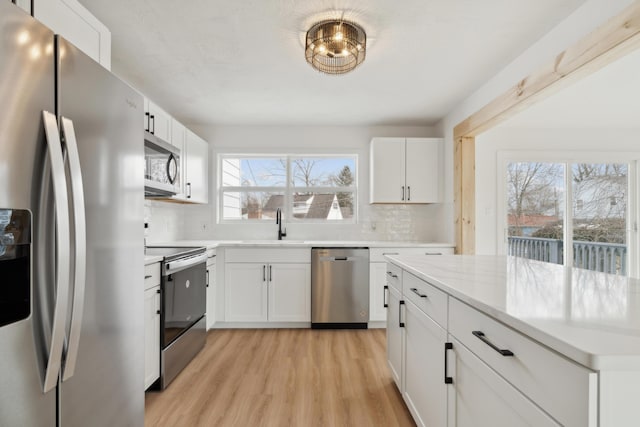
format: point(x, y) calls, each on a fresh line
point(165, 219)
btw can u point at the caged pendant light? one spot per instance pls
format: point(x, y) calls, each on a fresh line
point(335, 46)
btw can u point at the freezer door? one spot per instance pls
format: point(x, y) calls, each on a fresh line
point(27, 88)
point(106, 387)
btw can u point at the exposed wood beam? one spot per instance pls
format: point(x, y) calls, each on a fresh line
point(614, 39)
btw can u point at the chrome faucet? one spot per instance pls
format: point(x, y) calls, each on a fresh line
point(281, 233)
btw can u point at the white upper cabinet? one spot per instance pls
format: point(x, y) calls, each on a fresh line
point(196, 169)
point(405, 170)
point(76, 24)
point(158, 121)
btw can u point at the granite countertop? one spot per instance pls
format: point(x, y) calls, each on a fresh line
point(302, 243)
point(592, 318)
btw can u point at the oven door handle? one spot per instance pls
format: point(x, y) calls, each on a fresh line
point(172, 267)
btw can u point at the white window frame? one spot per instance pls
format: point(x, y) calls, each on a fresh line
point(504, 157)
point(288, 189)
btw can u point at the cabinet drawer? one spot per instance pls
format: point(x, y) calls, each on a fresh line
point(564, 389)
point(427, 298)
point(151, 275)
point(268, 255)
point(378, 254)
point(394, 276)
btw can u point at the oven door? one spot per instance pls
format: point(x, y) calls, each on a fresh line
point(183, 300)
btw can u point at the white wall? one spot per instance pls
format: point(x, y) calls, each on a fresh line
point(583, 21)
point(507, 142)
point(388, 222)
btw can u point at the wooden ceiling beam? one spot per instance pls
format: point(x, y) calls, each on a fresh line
point(614, 39)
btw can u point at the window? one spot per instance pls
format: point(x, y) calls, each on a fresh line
point(305, 188)
point(572, 213)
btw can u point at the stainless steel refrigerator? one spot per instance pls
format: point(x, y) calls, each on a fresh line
point(71, 235)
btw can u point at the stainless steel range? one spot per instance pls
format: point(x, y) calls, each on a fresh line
point(183, 306)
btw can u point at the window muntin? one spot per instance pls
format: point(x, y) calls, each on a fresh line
point(305, 188)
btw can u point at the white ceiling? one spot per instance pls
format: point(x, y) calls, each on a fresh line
point(215, 62)
point(606, 99)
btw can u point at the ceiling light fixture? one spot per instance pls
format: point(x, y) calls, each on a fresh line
point(335, 46)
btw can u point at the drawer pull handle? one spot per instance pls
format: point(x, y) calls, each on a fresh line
point(480, 335)
point(149, 276)
point(395, 276)
point(390, 253)
point(433, 253)
point(447, 346)
point(401, 303)
point(415, 291)
point(384, 296)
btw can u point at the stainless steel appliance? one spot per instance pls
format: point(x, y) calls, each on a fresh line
point(183, 305)
point(161, 167)
point(71, 245)
point(339, 288)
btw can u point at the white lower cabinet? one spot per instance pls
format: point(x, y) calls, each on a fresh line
point(456, 366)
point(151, 324)
point(377, 291)
point(395, 338)
point(246, 294)
point(212, 290)
point(481, 397)
point(378, 274)
point(289, 293)
point(267, 291)
point(425, 391)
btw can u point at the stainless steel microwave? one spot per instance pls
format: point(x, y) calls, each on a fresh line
point(161, 167)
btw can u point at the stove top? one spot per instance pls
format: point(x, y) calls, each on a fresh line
point(171, 252)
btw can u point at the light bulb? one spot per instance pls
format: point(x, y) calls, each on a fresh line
point(345, 52)
point(338, 36)
point(23, 37)
point(322, 48)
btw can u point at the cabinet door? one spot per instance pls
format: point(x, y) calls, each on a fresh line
point(395, 339)
point(289, 292)
point(245, 292)
point(377, 292)
point(387, 170)
point(196, 168)
point(423, 170)
point(160, 122)
point(151, 336)
point(76, 24)
point(211, 294)
point(424, 389)
point(479, 396)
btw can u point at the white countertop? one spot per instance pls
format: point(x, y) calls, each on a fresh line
point(152, 259)
point(303, 243)
point(592, 318)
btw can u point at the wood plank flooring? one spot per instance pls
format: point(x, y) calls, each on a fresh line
point(283, 377)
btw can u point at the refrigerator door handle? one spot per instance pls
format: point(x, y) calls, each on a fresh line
point(63, 250)
point(80, 244)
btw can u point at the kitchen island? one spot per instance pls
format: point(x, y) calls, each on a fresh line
point(515, 342)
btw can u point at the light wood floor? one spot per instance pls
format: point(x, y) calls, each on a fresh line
point(283, 377)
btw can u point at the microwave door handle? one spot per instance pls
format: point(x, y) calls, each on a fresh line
point(79, 277)
point(172, 176)
point(63, 250)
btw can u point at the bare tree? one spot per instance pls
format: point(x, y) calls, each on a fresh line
point(533, 190)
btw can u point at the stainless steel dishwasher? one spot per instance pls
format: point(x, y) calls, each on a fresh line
point(339, 288)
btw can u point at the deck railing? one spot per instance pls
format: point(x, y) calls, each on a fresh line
point(597, 256)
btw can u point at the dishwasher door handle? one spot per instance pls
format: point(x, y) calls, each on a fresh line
point(341, 258)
